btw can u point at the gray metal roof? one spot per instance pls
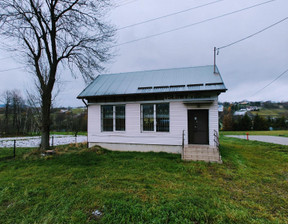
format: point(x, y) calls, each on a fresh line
point(200, 78)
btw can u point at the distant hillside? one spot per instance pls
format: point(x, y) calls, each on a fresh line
point(259, 116)
point(264, 109)
point(2, 105)
point(271, 112)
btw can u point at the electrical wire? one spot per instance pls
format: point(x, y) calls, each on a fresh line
point(194, 24)
point(254, 34)
point(11, 69)
point(184, 27)
point(5, 58)
point(168, 15)
point(125, 3)
point(283, 73)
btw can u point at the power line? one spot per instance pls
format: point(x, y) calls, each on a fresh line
point(126, 3)
point(5, 58)
point(254, 34)
point(193, 24)
point(168, 15)
point(123, 1)
point(283, 73)
point(11, 69)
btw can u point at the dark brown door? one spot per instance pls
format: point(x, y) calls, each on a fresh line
point(198, 127)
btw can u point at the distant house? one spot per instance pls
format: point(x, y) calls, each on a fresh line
point(241, 112)
point(64, 111)
point(253, 108)
point(170, 110)
point(220, 108)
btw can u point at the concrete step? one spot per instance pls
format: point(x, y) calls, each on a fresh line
point(201, 153)
point(198, 148)
point(201, 150)
point(208, 152)
point(203, 158)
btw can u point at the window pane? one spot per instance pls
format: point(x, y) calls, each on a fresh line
point(162, 117)
point(107, 118)
point(148, 117)
point(120, 118)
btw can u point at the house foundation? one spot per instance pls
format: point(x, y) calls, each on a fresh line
point(204, 153)
point(126, 147)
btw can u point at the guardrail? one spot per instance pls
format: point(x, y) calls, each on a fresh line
point(216, 139)
point(217, 144)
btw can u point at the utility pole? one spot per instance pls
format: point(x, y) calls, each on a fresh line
point(215, 60)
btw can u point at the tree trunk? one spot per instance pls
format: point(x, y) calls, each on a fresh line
point(45, 128)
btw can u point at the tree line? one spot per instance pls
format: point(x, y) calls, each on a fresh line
point(246, 122)
point(19, 116)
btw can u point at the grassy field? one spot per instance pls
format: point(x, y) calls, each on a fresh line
point(283, 133)
point(251, 186)
point(67, 133)
point(271, 112)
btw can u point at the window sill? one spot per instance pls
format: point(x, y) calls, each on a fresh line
point(158, 132)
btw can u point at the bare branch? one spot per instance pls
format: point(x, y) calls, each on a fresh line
point(50, 33)
point(70, 7)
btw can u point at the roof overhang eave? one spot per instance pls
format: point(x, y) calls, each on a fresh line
point(130, 94)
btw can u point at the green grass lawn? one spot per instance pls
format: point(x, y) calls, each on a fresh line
point(251, 186)
point(67, 133)
point(283, 133)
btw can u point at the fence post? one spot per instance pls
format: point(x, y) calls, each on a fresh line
point(14, 149)
point(87, 142)
point(183, 152)
point(52, 141)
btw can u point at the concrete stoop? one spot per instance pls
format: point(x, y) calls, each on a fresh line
point(201, 153)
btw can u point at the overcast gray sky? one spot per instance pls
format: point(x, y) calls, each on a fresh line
point(245, 67)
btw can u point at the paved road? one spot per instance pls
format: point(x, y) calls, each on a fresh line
point(263, 138)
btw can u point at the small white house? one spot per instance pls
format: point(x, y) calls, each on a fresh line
point(240, 112)
point(170, 110)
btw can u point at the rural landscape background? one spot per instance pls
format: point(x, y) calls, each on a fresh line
point(249, 187)
point(20, 116)
point(51, 49)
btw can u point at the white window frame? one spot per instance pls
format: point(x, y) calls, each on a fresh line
point(154, 117)
point(114, 118)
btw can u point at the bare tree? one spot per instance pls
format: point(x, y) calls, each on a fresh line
point(14, 106)
point(6, 99)
point(18, 105)
point(33, 122)
point(51, 33)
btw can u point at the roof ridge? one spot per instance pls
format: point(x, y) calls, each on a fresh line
point(155, 70)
